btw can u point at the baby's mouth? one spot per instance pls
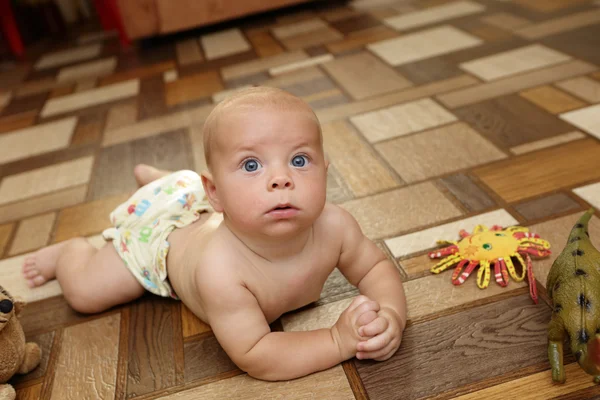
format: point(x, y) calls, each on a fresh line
point(283, 207)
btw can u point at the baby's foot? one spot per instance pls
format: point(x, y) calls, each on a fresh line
point(144, 174)
point(41, 266)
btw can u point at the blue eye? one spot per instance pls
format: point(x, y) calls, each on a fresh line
point(299, 161)
point(251, 165)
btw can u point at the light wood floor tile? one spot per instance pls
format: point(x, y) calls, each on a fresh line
point(544, 171)
point(360, 38)
point(42, 204)
point(170, 76)
point(45, 180)
point(582, 87)
point(148, 71)
point(544, 143)
point(90, 69)
point(88, 350)
point(389, 213)
point(191, 325)
point(69, 56)
point(362, 171)
point(434, 15)
point(547, 206)
point(362, 75)
point(438, 151)
point(506, 21)
point(358, 107)
point(155, 126)
point(535, 386)
point(86, 219)
point(401, 120)
point(552, 100)
point(95, 37)
point(427, 239)
point(559, 25)
point(32, 233)
point(557, 231)
point(312, 38)
point(514, 84)
point(192, 87)
point(14, 282)
point(248, 68)
point(587, 119)
point(514, 61)
point(424, 44)
point(298, 28)
point(26, 142)
point(264, 44)
point(90, 98)
point(17, 121)
point(331, 384)
point(298, 77)
point(224, 43)
point(301, 64)
point(222, 95)
point(121, 115)
point(188, 52)
point(590, 193)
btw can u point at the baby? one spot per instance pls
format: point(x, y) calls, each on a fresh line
point(265, 245)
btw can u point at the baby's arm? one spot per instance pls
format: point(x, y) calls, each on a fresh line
point(368, 268)
point(242, 330)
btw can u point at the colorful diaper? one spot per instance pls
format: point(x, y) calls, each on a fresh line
point(143, 223)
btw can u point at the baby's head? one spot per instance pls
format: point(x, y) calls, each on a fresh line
point(264, 150)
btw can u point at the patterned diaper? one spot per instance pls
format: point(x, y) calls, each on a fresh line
point(143, 223)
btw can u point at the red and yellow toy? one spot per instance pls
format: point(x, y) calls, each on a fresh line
point(496, 246)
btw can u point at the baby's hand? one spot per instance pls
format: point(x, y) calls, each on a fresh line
point(362, 311)
point(385, 334)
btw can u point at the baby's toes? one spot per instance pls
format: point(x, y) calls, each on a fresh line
point(31, 273)
point(28, 262)
point(36, 281)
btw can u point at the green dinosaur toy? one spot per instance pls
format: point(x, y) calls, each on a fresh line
point(574, 286)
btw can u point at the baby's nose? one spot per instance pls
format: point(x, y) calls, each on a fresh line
point(281, 182)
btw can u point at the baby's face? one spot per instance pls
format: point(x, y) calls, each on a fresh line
point(269, 170)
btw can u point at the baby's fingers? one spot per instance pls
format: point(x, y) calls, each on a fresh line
point(378, 355)
point(375, 343)
point(366, 319)
point(377, 326)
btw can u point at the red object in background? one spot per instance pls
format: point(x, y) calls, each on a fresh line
point(9, 27)
point(110, 18)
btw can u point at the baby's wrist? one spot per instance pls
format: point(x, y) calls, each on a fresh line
point(394, 314)
point(336, 337)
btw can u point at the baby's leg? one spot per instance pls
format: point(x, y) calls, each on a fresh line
point(144, 174)
point(92, 280)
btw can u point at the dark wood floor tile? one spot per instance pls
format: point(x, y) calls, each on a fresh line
point(45, 341)
point(461, 349)
point(216, 63)
point(17, 121)
point(49, 314)
point(511, 121)
point(12, 78)
point(113, 173)
point(484, 50)
point(328, 102)
point(23, 104)
point(547, 206)
point(152, 98)
point(89, 129)
point(356, 23)
point(61, 91)
point(30, 392)
point(336, 288)
point(151, 345)
point(467, 192)
point(254, 79)
point(582, 43)
point(310, 87)
point(315, 51)
point(140, 72)
point(205, 358)
point(429, 70)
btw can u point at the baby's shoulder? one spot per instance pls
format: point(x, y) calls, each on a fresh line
point(334, 220)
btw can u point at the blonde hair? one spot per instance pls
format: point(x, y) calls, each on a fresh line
point(248, 100)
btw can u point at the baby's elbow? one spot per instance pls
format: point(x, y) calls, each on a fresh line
point(258, 369)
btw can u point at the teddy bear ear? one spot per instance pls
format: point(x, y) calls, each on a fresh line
point(19, 304)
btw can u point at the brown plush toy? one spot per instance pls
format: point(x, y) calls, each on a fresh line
point(16, 356)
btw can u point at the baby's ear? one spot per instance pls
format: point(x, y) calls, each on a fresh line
point(19, 304)
point(211, 191)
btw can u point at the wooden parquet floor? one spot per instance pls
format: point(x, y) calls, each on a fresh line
point(437, 116)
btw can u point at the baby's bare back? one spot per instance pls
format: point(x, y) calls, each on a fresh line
point(277, 286)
